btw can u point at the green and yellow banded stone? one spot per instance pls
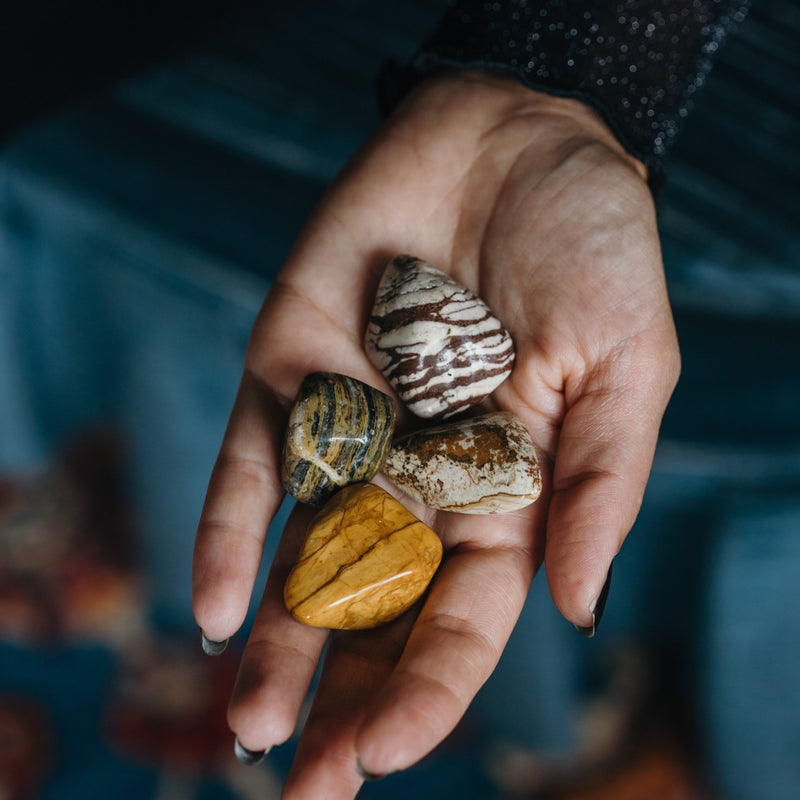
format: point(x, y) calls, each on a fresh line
point(339, 432)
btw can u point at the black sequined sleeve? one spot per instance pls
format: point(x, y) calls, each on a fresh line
point(638, 62)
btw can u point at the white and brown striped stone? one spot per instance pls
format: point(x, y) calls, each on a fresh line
point(483, 465)
point(437, 343)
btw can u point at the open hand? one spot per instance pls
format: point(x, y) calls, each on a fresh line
point(529, 201)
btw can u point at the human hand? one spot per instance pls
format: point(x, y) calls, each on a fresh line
point(529, 201)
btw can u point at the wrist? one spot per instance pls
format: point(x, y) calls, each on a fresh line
point(478, 103)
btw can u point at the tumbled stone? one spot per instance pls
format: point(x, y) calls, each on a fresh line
point(483, 465)
point(339, 432)
point(365, 561)
point(438, 344)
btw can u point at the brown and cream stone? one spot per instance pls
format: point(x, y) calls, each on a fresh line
point(339, 432)
point(365, 561)
point(437, 343)
point(483, 465)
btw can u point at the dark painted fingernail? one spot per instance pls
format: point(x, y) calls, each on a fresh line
point(212, 648)
point(599, 608)
point(248, 757)
point(367, 776)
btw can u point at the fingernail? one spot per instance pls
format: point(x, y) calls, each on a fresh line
point(367, 776)
point(248, 757)
point(212, 648)
point(598, 607)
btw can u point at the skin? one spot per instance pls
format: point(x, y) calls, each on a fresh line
point(531, 202)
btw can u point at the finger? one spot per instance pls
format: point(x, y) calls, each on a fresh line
point(243, 495)
point(605, 452)
point(357, 665)
point(453, 648)
point(280, 658)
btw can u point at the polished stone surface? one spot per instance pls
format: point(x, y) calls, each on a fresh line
point(439, 345)
point(338, 433)
point(365, 561)
point(483, 465)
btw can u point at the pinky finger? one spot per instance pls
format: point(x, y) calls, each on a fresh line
point(243, 495)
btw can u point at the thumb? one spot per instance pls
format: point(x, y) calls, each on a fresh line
point(603, 460)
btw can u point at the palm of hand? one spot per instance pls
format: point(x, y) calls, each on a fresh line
point(542, 214)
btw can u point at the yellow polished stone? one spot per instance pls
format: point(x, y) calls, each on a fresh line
point(365, 561)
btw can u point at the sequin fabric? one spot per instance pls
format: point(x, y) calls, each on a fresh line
point(638, 63)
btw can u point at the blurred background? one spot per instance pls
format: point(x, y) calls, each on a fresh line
point(157, 162)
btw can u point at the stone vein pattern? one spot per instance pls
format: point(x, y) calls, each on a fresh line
point(338, 433)
point(484, 465)
point(437, 343)
point(365, 561)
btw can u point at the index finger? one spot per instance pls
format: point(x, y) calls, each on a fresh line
point(457, 640)
point(243, 495)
